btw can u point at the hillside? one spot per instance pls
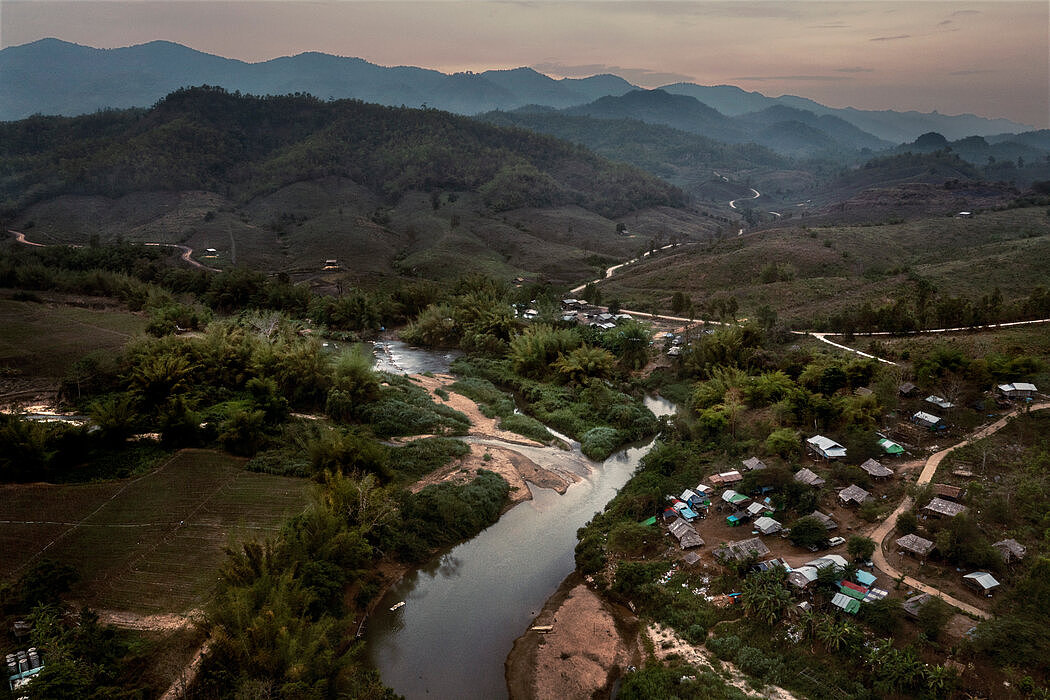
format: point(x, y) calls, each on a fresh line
point(285, 183)
point(56, 77)
point(680, 157)
point(807, 274)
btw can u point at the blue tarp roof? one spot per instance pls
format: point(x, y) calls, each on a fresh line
point(864, 578)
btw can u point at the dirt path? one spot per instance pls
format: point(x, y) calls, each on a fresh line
point(146, 623)
point(883, 531)
point(186, 253)
point(187, 676)
point(502, 458)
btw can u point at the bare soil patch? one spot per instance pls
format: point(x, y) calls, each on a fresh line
point(588, 645)
point(513, 466)
point(667, 644)
point(481, 425)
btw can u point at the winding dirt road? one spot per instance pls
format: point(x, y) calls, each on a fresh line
point(882, 532)
point(186, 254)
point(755, 195)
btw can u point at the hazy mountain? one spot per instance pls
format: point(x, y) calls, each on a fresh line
point(295, 180)
point(888, 125)
point(1034, 139)
point(678, 156)
point(1004, 149)
point(787, 131)
point(842, 132)
point(905, 126)
point(56, 77)
point(660, 107)
point(727, 99)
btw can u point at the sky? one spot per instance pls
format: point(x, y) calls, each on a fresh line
point(986, 58)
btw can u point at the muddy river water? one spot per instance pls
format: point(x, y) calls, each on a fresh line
point(464, 609)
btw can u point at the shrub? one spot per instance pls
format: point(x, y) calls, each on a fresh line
point(599, 443)
point(526, 426)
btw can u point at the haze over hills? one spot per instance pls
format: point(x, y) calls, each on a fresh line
point(286, 182)
point(788, 131)
point(56, 77)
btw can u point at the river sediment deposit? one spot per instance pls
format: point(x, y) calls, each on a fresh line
point(464, 609)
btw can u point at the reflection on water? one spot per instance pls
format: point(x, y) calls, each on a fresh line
point(659, 406)
point(396, 357)
point(464, 610)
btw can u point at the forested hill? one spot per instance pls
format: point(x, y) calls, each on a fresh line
point(207, 139)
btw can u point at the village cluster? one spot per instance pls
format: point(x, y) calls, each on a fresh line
point(717, 497)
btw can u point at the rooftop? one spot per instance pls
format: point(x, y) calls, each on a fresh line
point(754, 463)
point(808, 477)
point(853, 494)
point(743, 549)
point(826, 519)
point(915, 544)
point(940, 506)
point(876, 469)
point(1010, 549)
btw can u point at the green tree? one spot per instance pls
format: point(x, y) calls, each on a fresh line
point(860, 548)
point(784, 442)
point(808, 532)
point(934, 616)
point(629, 341)
point(907, 522)
point(679, 302)
point(583, 363)
point(243, 433)
point(765, 595)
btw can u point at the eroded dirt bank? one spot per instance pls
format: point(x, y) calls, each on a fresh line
point(589, 644)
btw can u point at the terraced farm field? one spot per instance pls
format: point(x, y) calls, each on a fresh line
point(151, 544)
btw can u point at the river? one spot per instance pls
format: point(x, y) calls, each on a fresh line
point(464, 609)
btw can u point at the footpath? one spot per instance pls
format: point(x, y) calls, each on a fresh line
point(883, 531)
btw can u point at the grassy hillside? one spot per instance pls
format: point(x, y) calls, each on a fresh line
point(807, 274)
point(287, 182)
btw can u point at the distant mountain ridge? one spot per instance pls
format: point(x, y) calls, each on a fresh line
point(51, 76)
point(785, 130)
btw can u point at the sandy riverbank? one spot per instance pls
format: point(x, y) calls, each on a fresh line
point(589, 645)
point(509, 463)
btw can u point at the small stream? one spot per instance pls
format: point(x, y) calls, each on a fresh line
point(464, 609)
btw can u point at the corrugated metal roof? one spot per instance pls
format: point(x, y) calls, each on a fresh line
point(915, 544)
point(943, 507)
point(924, 417)
point(767, 525)
point(983, 579)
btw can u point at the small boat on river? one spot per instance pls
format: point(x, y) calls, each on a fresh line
point(395, 606)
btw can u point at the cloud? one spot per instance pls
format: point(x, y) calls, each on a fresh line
point(856, 69)
point(958, 13)
point(831, 25)
point(812, 78)
point(639, 76)
point(891, 38)
point(972, 72)
point(944, 23)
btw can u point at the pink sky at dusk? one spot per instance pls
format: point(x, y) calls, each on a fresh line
point(986, 58)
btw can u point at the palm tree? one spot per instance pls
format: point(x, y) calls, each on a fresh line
point(832, 633)
point(940, 681)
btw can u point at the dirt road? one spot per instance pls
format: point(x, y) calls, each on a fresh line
point(882, 532)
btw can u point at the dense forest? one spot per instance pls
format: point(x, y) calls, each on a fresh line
point(207, 139)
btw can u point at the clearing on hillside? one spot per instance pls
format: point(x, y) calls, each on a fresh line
point(151, 544)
